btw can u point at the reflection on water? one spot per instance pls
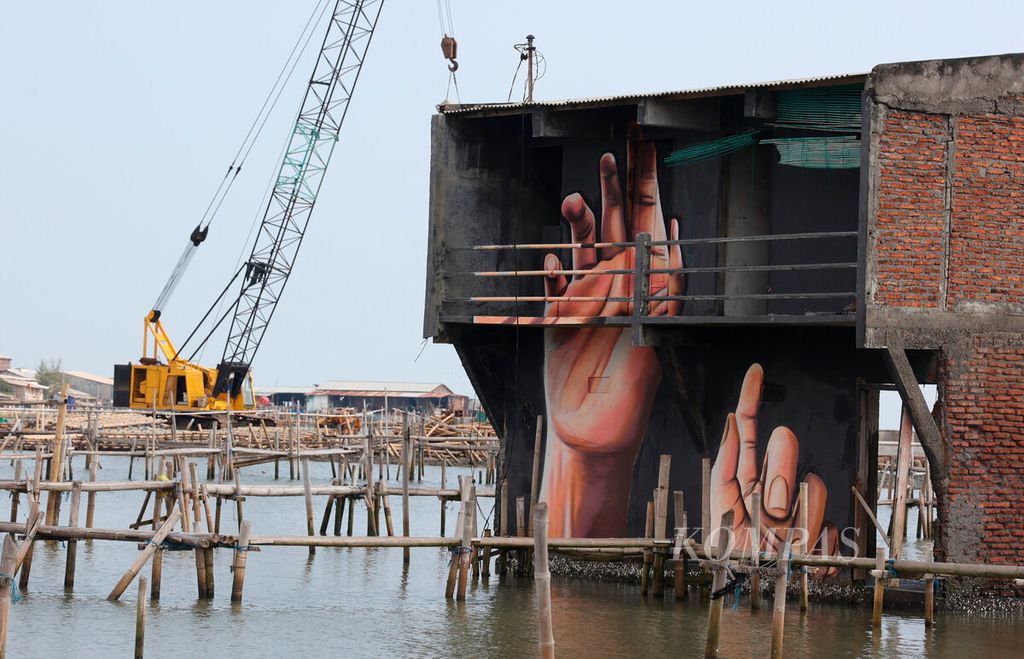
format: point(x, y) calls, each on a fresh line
point(362, 603)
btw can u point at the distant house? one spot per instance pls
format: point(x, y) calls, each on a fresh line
point(95, 386)
point(22, 389)
point(411, 396)
point(293, 398)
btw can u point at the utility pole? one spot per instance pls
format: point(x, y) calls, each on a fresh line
point(529, 68)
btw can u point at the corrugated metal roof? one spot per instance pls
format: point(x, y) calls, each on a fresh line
point(598, 101)
point(365, 388)
point(268, 391)
point(90, 376)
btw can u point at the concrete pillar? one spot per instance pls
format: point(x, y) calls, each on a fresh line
point(747, 213)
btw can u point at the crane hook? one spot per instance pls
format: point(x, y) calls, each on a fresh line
point(450, 49)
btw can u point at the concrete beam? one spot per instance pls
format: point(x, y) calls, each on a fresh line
point(547, 123)
point(700, 114)
point(913, 400)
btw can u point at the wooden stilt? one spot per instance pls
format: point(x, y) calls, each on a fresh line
point(57, 461)
point(15, 496)
point(308, 496)
point(238, 566)
point(879, 594)
point(406, 451)
point(69, 568)
point(806, 542)
point(208, 558)
point(339, 513)
point(929, 601)
point(147, 553)
point(755, 551)
point(486, 558)
point(351, 514)
point(645, 568)
point(661, 523)
point(779, 607)
point(720, 574)
point(140, 619)
point(682, 531)
point(520, 532)
point(465, 550)
point(542, 581)
point(6, 585)
point(386, 501)
point(158, 556)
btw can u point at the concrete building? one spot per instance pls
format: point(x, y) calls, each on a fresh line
point(96, 387)
point(412, 396)
point(734, 273)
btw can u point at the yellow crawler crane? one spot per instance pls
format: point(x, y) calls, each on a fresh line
point(163, 380)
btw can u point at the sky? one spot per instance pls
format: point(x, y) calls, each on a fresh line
point(118, 120)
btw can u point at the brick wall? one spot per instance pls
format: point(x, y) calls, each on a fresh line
point(911, 217)
point(962, 172)
point(982, 420)
point(986, 242)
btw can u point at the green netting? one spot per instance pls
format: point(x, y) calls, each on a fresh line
point(713, 149)
point(818, 152)
point(821, 108)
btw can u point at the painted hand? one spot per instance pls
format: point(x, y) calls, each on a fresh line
point(600, 388)
point(598, 403)
point(735, 477)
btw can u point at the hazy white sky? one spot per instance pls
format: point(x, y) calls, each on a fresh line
point(118, 119)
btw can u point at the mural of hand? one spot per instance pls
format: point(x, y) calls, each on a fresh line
point(735, 477)
point(599, 387)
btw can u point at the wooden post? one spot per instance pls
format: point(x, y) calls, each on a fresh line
point(90, 505)
point(805, 546)
point(466, 549)
point(535, 477)
point(150, 549)
point(307, 493)
point(679, 571)
point(718, 583)
point(473, 531)
point(69, 568)
point(57, 461)
point(158, 556)
point(929, 600)
point(520, 532)
point(351, 514)
point(779, 607)
point(899, 503)
point(386, 504)
point(486, 558)
point(755, 551)
point(15, 496)
point(705, 499)
point(239, 499)
point(454, 563)
point(238, 567)
point(542, 580)
point(201, 580)
point(23, 561)
point(208, 559)
point(661, 523)
point(879, 594)
point(505, 531)
point(645, 567)
point(406, 450)
point(140, 619)
point(6, 586)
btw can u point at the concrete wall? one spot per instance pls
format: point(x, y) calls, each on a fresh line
point(944, 221)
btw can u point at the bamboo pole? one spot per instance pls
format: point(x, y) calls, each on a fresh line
point(718, 583)
point(661, 522)
point(645, 567)
point(309, 502)
point(755, 551)
point(929, 601)
point(6, 586)
point(779, 606)
point(465, 550)
point(454, 562)
point(406, 441)
point(899, 511)
point(15, 496)
point(69, 568)
point(90, 506)
point(879, 594)
point(23, 561)
point(140, 619)
point(158, 556)
point(57, 462)
point(542, 581)
point(679, 567)
point(148, 552)
point(805, 547)
point(238, 566)
point(705, 499)
point(535, 477)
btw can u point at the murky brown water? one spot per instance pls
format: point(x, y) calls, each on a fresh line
point(359, 602)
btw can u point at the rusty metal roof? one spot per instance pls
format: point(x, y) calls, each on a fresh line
point(488, 109)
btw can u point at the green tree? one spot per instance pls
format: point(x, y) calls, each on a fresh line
point(49, 375)
point(5, 388)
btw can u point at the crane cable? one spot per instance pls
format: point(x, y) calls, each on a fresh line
point(449, 46)
point(266, 109)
